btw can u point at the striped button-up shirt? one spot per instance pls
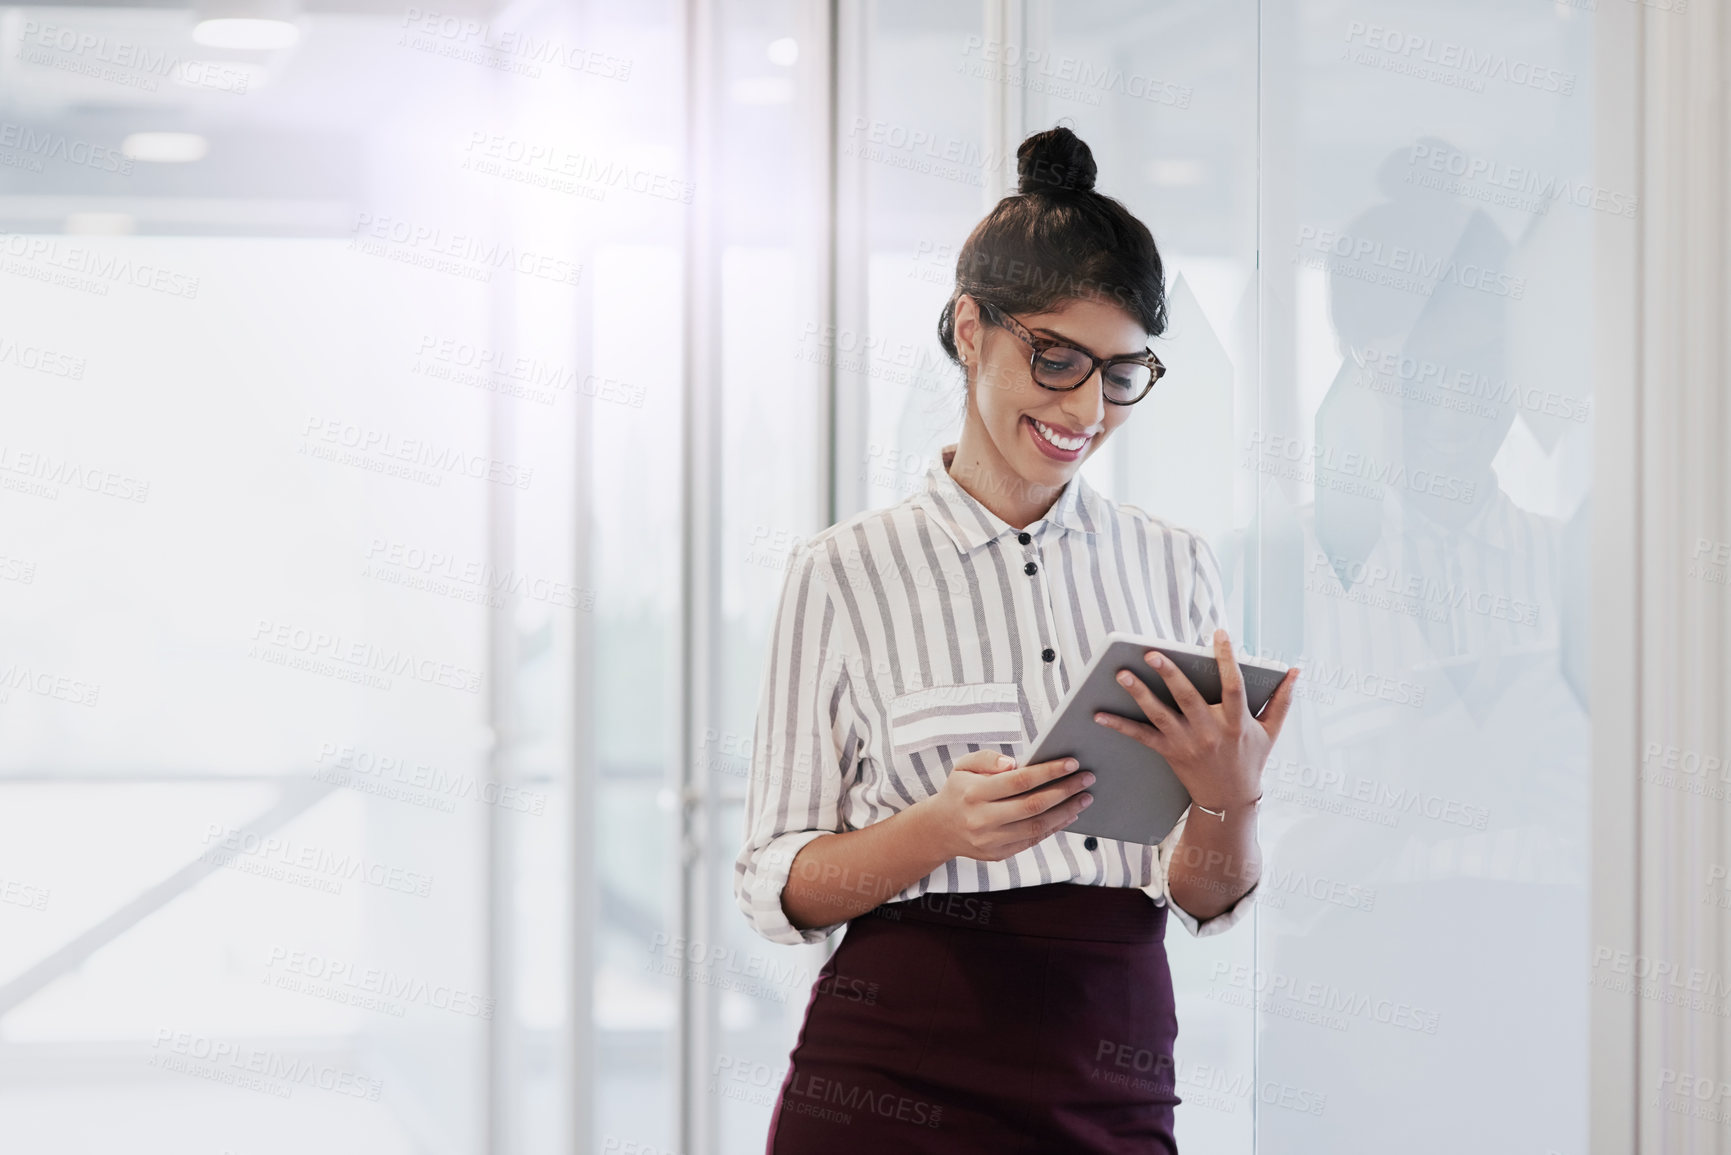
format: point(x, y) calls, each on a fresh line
point(906, 637)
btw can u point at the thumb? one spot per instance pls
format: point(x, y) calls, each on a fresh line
point(1275, 715)
point(985, 762)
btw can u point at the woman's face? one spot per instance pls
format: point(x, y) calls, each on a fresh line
point(1011, 409)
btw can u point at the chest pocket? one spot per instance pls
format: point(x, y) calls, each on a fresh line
point(955, 719)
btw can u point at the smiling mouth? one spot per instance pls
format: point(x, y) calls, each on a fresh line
point(1064, 442)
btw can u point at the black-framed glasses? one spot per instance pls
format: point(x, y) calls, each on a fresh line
point(1055, 365)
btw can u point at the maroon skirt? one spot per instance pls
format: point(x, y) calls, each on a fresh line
point(1036, 1019)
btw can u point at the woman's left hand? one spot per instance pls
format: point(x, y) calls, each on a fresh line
point(1218, 752)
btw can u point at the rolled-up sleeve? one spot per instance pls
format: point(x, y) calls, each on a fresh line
point(1203, 927)
point(804, 717)
point(1207, 612)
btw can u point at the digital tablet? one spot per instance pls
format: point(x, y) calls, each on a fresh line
point(1137, 797)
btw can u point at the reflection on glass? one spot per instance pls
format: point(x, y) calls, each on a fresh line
point(1427, 820)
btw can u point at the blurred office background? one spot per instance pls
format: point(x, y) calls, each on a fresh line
point(406, 414)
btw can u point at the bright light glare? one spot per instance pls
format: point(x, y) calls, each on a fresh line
point(784, 51)
point(235, 32)
point(165, 147)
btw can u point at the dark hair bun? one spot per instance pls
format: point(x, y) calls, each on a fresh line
point(1054, 161)
point(1058, 241)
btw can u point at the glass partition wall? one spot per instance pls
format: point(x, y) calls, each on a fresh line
point(406, 427)
point(1422, 454)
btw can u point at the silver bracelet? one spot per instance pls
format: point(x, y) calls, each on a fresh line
point(1221, 814)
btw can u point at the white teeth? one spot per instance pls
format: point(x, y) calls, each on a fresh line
point(1068, 444)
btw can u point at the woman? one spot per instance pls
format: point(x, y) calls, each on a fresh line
point(1003, 984)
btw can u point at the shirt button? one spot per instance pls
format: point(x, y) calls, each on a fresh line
point(1024, 538)
point(1090, 843)
point(1030, 569)
point(1049, 654)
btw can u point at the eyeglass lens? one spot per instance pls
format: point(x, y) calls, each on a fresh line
point(1062, 368)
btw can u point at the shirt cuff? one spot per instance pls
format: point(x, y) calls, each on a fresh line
point(760, 897)
point(1199, 928)
point(1217, 924)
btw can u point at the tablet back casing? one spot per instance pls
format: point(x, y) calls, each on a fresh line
point(1137, 797)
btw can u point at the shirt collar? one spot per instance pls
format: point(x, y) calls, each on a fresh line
point(971, 525)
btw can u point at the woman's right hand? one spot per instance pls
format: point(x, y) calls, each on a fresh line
point(989, 808)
